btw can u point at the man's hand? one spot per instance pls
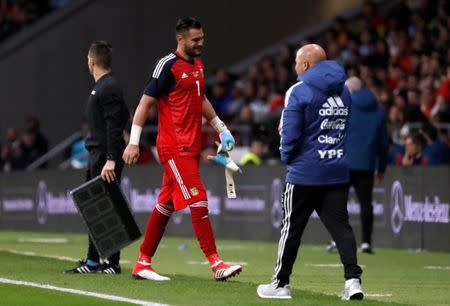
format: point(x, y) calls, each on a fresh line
point(131, 154)
point(108, 173)
point(407, 160)
point(227, 141)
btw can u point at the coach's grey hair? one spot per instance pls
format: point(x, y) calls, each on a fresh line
point(354, 84)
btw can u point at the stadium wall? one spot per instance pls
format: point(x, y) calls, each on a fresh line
point(411, 207)
point(43, 69)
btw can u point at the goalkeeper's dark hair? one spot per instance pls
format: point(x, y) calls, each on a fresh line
point(101, 51)
point(185, 24)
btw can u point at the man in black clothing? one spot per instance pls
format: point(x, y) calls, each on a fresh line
point(367, 154)
point(107, 115)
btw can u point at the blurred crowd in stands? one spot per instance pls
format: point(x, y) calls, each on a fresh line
point(401, 53)
point(17, 14)
point(20, 149)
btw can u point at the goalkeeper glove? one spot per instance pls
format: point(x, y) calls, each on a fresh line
point(226, 141)
point(224, 159)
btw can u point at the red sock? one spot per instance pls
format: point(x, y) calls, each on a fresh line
point(203, 230)
point(154, 230)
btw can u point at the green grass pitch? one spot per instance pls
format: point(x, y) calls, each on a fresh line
point(390, 276)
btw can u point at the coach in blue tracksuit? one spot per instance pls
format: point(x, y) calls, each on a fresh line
point(313, 130)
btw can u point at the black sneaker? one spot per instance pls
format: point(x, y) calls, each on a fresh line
point(108, 268)
point(83, 268)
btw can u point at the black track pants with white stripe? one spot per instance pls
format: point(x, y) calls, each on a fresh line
point(330, 203)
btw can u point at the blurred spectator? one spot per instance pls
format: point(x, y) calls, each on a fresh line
point(260, 105)
point(223, 77)
point(412, 111)
point(244, 92)
point(239, 98)
point(12, 154)
point(399, 15)
point(436, 152)
point(77, 152)
point(283, 80)
point(221, 99)
point(276, 105)
point(284, 57)
point(79, 155)
point(414, 146)
point(254, 155)
point(375, 19)
point(245, 116)
point(396, 152)
point(395, 122)
point(33, 124)
point(31, 148)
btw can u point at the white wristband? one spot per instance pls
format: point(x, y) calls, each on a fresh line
point(218, 125)
point(135, 134)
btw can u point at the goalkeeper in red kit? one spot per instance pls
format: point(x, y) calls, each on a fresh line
point(177, 87)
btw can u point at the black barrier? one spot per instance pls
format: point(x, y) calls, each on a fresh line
point(411, 207)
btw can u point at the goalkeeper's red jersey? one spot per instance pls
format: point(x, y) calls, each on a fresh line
point(179, 86)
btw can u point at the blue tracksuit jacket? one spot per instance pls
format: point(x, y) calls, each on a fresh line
point(313, 127)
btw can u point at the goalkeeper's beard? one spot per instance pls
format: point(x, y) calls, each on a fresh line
point(193, 52)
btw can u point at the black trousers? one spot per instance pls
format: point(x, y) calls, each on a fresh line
point(330, 203)
point(362, 181)
point(97, 159)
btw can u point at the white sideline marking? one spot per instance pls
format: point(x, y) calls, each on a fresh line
point(43, 240)
point(65, 258)
point(378, 294)
point(332, 265)
point(437, 267)
point(231, 263)
point(80, 292)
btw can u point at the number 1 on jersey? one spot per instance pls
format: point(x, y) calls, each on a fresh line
point(198, 87)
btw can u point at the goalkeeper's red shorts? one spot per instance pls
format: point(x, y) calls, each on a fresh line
point(181, 183)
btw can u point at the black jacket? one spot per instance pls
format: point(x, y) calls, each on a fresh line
point(107, 115)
